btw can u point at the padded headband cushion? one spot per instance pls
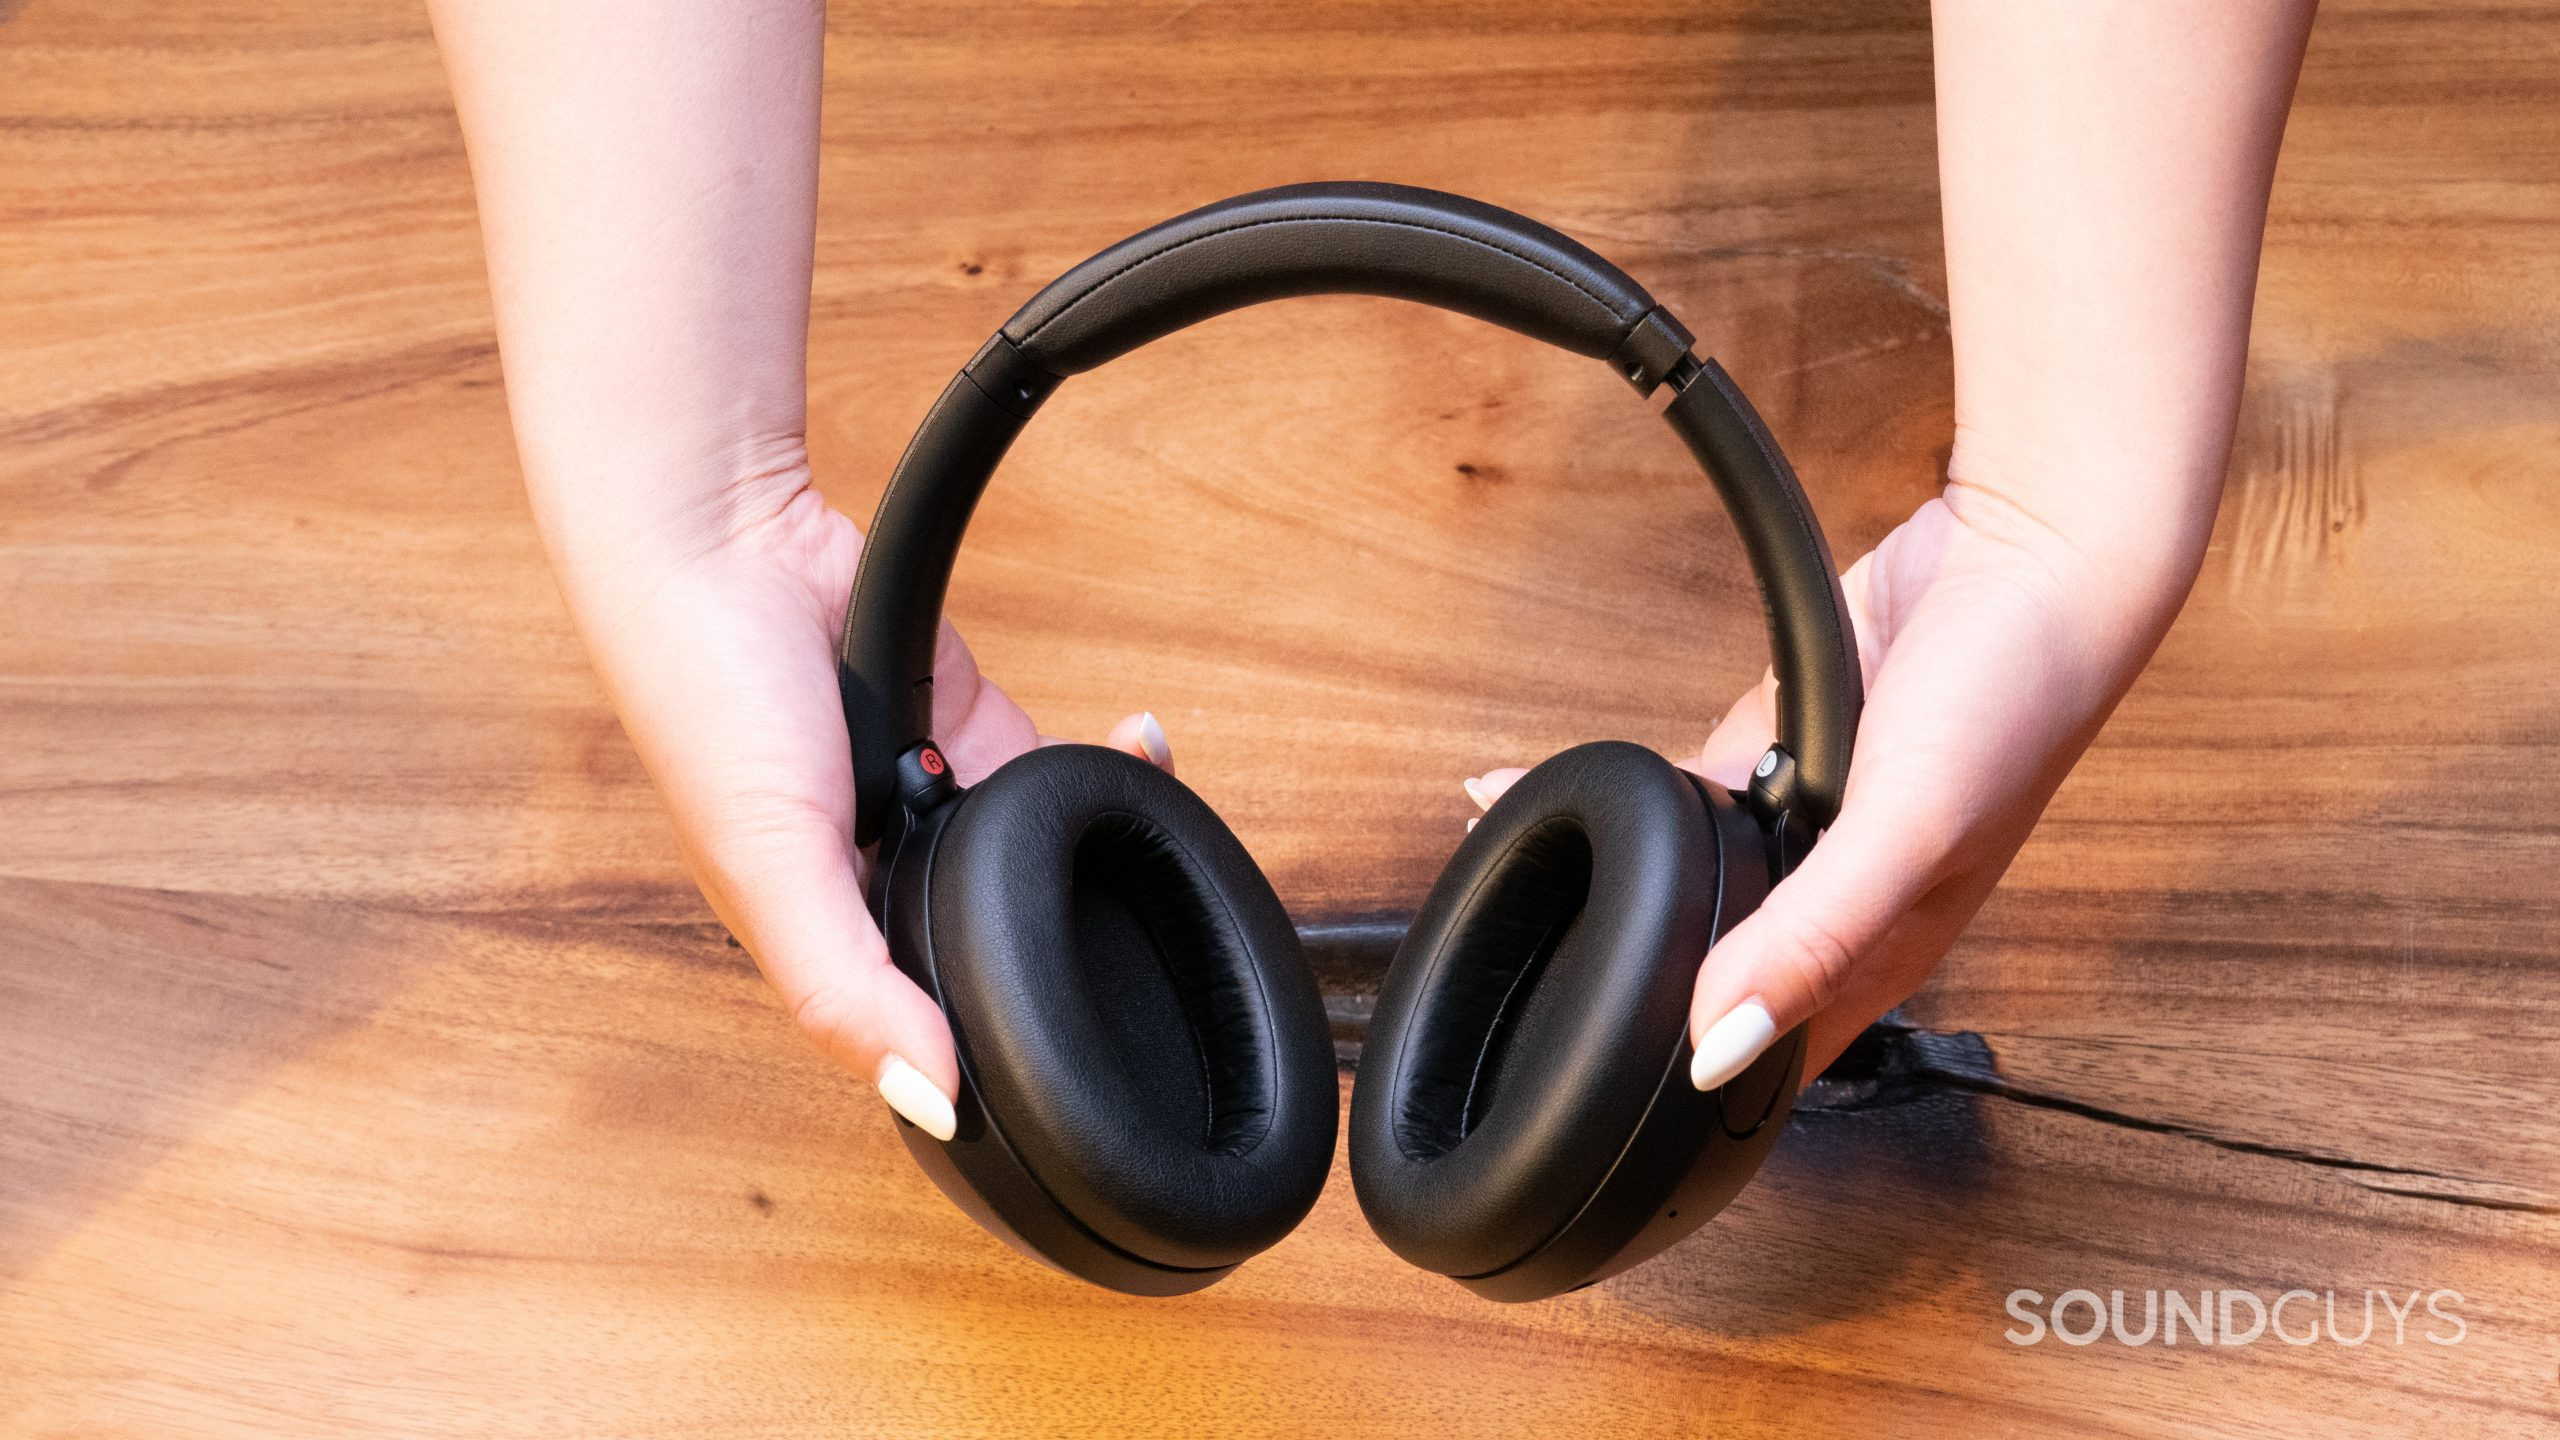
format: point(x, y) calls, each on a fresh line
point(1392, 240)
point(1527, 1022)
point(1134, 1007)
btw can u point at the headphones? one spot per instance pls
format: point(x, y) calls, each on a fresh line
point(1147, 1077)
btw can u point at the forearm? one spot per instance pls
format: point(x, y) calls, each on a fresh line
point(2105, 166)
point(647, 181)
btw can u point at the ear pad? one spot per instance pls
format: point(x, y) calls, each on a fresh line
point(1134, 1013)
point(1531, 1018)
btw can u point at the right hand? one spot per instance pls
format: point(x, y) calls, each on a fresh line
point(721, 659)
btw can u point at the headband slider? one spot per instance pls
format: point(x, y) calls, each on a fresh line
point(1653, 351)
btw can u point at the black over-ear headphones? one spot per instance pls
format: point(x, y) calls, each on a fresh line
point(1147, 1075)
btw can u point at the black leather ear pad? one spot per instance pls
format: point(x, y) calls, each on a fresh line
point(1136, 1015)
point(1523, 1030)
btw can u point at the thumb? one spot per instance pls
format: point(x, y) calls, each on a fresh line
point(1141, 735)
point(1803, 947)
point(795, 902)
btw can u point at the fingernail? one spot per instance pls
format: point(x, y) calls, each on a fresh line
point(1471, 825)
point(1474, 786)
point(913, 1096)
point(1151, 735)
point(1731, 1044)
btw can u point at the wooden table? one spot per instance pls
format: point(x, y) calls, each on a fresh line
point(368, 1066)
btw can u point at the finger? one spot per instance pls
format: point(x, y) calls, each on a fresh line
point(977, 725)
point(1741, 738)
point(1815, 938)
point(980, 727)
point(1751, 726)
point(1488, 787)
point(1141, 735)
point(790, 893)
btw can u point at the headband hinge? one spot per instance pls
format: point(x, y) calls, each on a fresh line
point(1773, 783)
point(1656, 349)
point(1772, 796)
point(1012, 381)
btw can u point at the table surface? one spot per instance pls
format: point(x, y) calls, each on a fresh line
point(368, 1065)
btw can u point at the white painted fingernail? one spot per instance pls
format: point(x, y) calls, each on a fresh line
point(1731, 1044)
point(912, 1095)
point(1475, 791)
point(1151, 735)
point(1471, 825)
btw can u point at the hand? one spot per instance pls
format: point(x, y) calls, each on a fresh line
point(721, 657)
point(1994, 646)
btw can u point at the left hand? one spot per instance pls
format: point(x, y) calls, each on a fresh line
point(1993, 649)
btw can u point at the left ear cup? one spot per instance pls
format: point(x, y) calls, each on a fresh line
point(1523, 1110)
point(1135, 1018)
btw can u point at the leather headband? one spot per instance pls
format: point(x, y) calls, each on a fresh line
point(1352, 238)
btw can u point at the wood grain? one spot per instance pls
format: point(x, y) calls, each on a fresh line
point(367, 1064)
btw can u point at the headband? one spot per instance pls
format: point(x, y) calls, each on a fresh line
point(1341, 238)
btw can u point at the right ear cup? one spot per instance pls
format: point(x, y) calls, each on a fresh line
point(1523, 1120)
point(1138, 1029)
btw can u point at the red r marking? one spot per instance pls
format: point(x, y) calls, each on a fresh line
point(931, 760)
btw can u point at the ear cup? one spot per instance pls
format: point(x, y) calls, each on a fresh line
point(1133, 1010)
point(1529, 1020)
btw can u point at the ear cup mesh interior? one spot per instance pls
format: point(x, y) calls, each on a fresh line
point(1497, 959)
point(1184, 1032)
point(1132, 1007)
